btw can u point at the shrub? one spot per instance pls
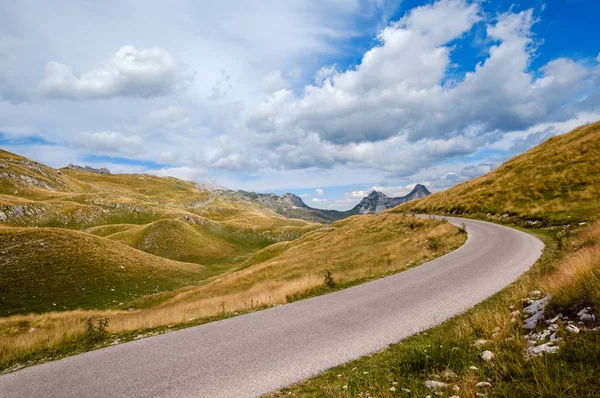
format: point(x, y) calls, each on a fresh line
point(462, 229)
point(433, 244)
point(95, 333)
point(329, 282)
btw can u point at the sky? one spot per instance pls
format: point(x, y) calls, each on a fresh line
point(328, 99)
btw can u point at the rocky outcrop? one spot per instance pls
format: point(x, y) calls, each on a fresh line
point(294, 200)
point(101, 170)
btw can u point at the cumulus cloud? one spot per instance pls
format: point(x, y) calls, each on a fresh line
point(130, 72)
point(319, 192)
point(398, 98)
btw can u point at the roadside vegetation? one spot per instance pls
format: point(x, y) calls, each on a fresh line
point(551, 190)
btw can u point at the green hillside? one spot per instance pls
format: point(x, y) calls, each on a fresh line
point(555, 183)
point(44, 269)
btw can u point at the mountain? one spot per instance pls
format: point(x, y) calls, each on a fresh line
point(376, 201)
point(554, 183)
point(290, 205)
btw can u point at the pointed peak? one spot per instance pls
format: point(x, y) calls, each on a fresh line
point(294, 200)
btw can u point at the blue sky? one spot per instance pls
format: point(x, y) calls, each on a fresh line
point(327, 99)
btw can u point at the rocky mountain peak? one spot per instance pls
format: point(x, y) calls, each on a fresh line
point(294, 200)
point(377, 201)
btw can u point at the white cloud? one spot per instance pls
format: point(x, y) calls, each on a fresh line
point(112, 142)
point(319, 200)
point(145, 72)
point(184, 173)
point(319, 192)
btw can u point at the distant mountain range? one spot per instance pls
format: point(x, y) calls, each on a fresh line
point(290, 205)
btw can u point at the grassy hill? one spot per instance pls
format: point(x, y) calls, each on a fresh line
point(47, 269)
point(555, 183)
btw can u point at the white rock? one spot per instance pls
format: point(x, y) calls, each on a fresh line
point(535, 293)
point(455, 396)
point(483, 384)
point(435, 385)
point(587, 317)
point(487, 355)
point(554, 320)
point(456, 388)
point(480, 342)
point(31, 330)
point(572, 329)
point(539, 349)
point(536, 310)
point(473, 367)
point(515, 313)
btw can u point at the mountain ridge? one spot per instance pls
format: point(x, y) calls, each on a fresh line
point(291, 205)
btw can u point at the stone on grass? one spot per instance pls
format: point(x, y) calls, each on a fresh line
point(435, 385)
point(572, 329)
point(536, 312)
point(484, 384)
point(487, 355)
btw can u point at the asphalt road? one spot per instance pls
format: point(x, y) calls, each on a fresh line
point(257, 353)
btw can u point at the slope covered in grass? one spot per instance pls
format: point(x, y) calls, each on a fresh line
point(556, 182)
point(44, 269)
point(177, 240)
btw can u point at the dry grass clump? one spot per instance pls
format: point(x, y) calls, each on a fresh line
point(577, 280)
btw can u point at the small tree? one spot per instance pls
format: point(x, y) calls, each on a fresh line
point(329, 282)
point(95, 333)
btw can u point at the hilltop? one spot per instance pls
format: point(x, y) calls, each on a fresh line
point(291, 205)
point(555, 183)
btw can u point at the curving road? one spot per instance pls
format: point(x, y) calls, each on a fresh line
point(260, 352)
